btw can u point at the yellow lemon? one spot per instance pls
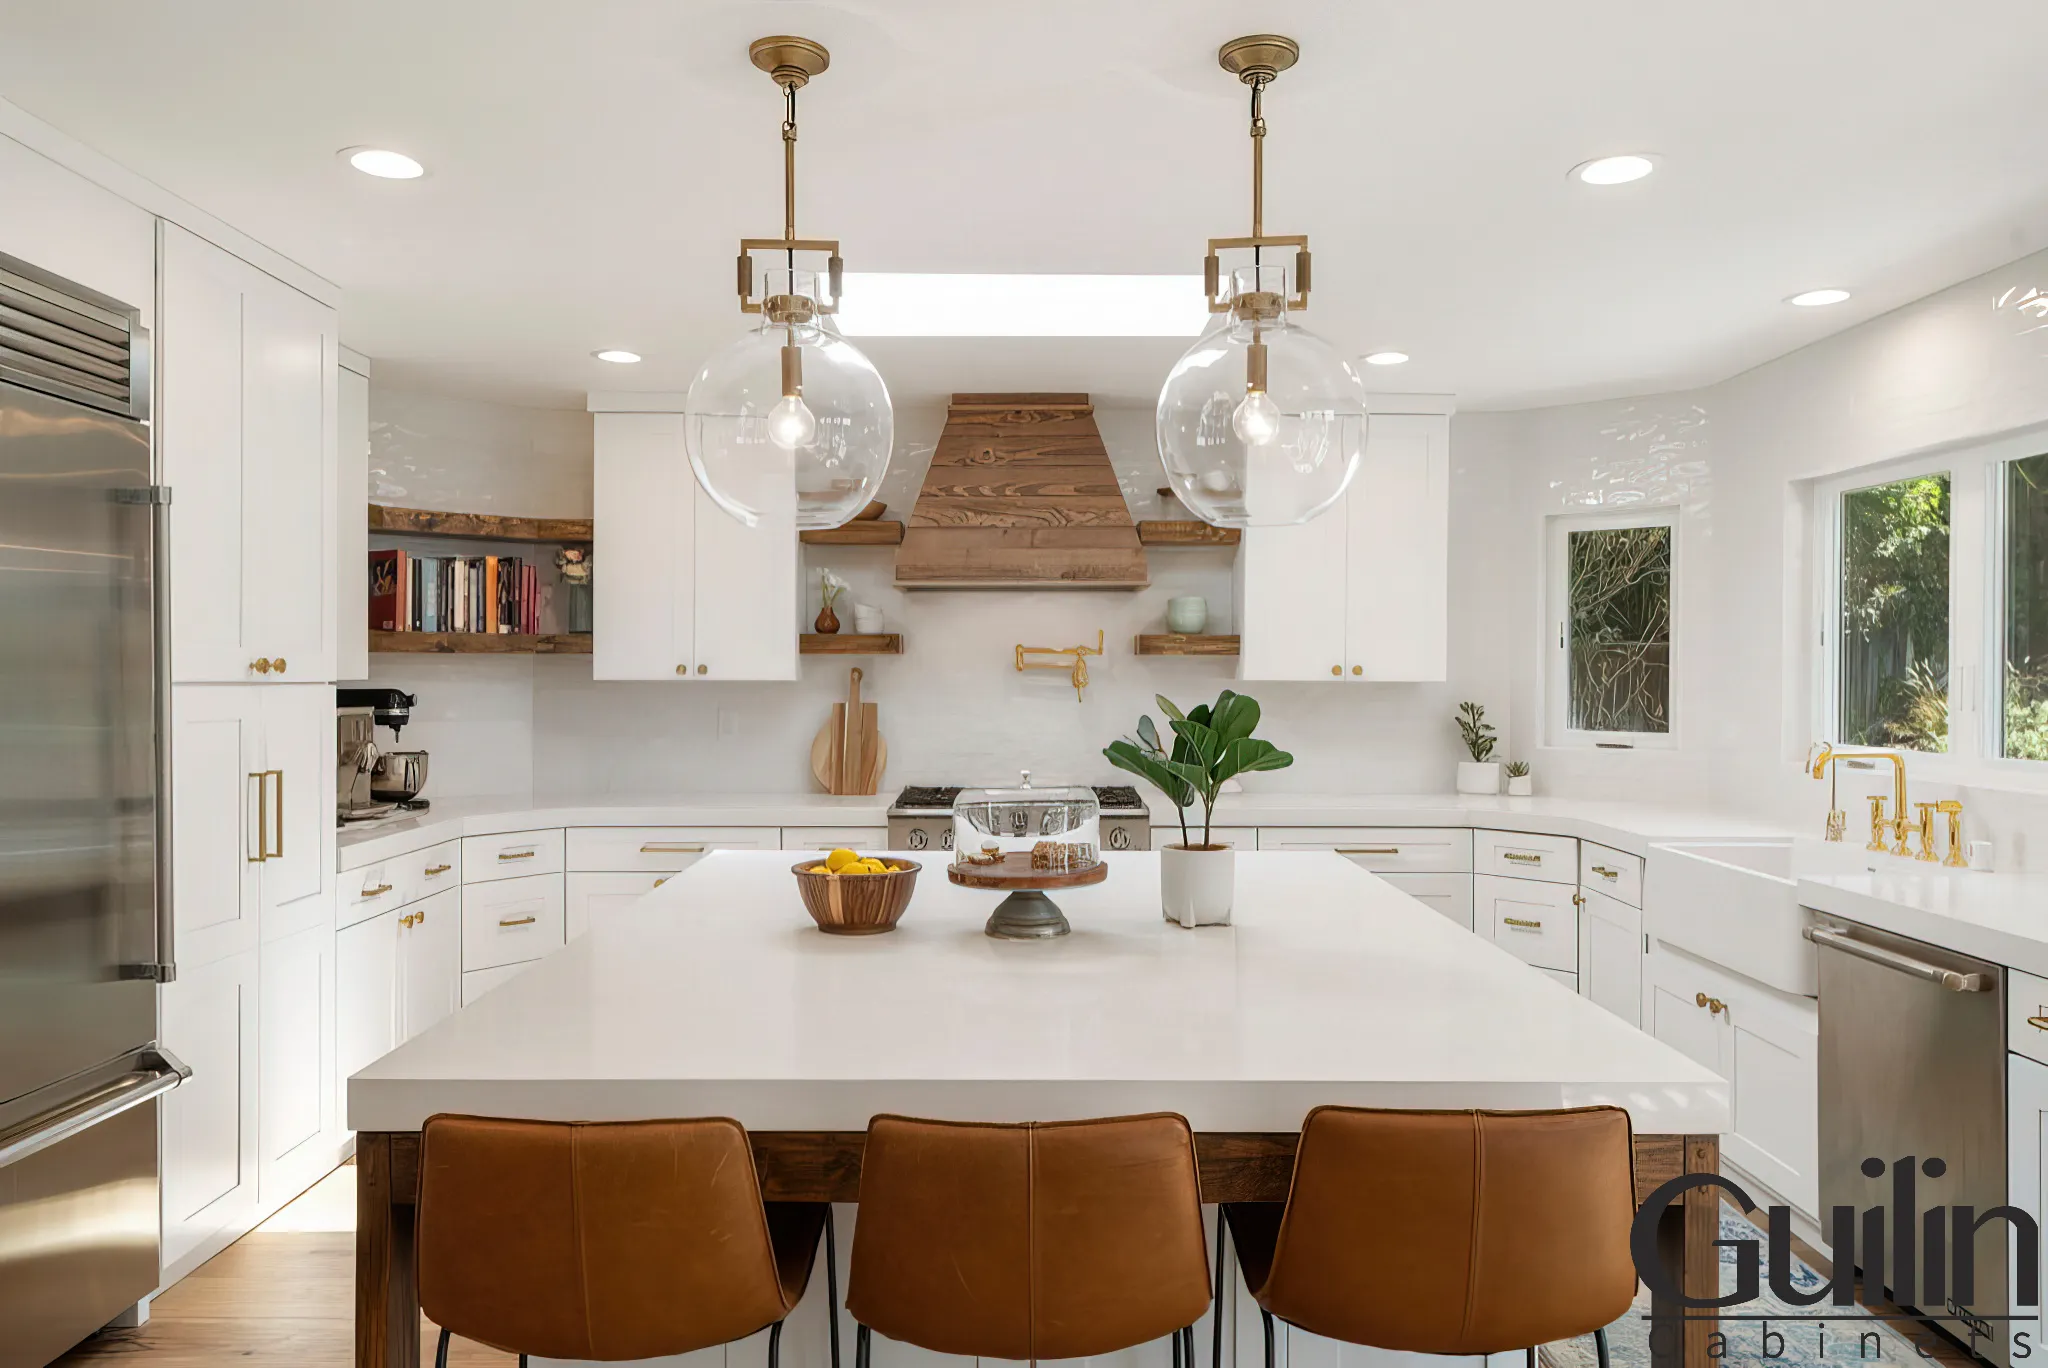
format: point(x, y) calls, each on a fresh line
point(840, 859)
point(818, 869)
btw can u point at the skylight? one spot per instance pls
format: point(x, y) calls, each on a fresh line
point(915, 304)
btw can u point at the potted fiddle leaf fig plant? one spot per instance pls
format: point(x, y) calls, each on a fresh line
point(1480, 774)
point(1212, 743)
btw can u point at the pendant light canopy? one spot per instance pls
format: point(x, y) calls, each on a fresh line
point(1261, 423)
point(791, 418)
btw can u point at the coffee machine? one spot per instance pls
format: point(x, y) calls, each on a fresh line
point(355, 757)
point(371, 781)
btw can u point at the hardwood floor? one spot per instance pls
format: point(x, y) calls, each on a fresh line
point(283, 1294)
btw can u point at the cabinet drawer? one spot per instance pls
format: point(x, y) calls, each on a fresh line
point(477, 982)
point(659, 850)
point(1448, 894)
point(1421, 850)
point(513, 855)
point(1519, 855)
point(861, 840)
point(2026, 1015)
point(397, 881)
point(511, 920)
point(594, 899)
point(1614, 872)
point(1534, 921)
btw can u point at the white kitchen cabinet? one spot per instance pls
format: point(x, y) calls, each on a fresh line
point(366, 987)
point(2026, 1179)
point(1358, 594)
point(429, 962)
point(246, 426)
point(208, 1018)
point(594, 899)
point(1384, 850)
point(1534, 921)
point(477, 982)
point(352, 518)
point(1449, 895)
point(659, 850)
point(297, 873)
point(861, 840)
point(1611, 954)
point(297, 1124)
point(689, 592)
point(1766, 1044)
point(510, 921)
point(1526, 855)
point(512, 855)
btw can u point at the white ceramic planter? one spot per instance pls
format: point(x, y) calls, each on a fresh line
point(1196, 885)
point(1474, 777)
point(1521, 786)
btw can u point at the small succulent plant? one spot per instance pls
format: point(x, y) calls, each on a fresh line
point(1517, 769)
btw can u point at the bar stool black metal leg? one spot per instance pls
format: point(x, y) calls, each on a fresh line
point(1600, 1346)
point(1266, 1321)
point(1532, 1356)
point(832, 1283)
point(1216, 1313)
point(441, 1349)
point(862, 1350)
point(1178, 1343)
point(1189, 1334)
point(775, 1345)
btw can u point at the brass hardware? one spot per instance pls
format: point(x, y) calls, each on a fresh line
point(703, 669)
point(1838, 823)
point(1368, 850)
point(278, 664)
point(792, 370)
point(406, 920)
point(2039, 1023)
point(1358, 669)
point(682, 669)
point(419, 918)
point(432, 870)
point(791, 62)
point(1337, 670)
point(1604, 872)
point(517, 854)
point(1521, 857)
point(262, 819)
point(517, 921)
point(278, 816)
point(1823, 754)
point(1079, 669)
point(662, 880)
point(1517, 921)
point(379, 891)
point(1255, 60)
point(1925, 826)
point(1578, 898)
point(1713, 1005)
point(1953, 810)
point(1877, 823)
point(671, 848)
point(260, 665)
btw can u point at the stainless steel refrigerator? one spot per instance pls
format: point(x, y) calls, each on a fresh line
point(84, 922)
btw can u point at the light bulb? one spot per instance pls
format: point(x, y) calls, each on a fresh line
point(791, 424)
point(1256, 419)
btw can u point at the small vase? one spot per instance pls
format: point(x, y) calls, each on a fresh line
point(1521, 786)
point(580, 615)
point(1187, 616)
point(828, 621)
point(1477, 777)
point(1196, 884)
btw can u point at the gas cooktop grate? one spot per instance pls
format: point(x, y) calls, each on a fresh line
point(1113, 797)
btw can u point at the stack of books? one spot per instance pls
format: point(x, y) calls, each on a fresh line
point(408, 593)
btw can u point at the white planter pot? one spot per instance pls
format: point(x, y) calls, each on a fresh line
point(1474, 777)
point(1196, 885)
point(1521, 786)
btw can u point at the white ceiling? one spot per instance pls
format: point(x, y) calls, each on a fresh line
point(591, 166)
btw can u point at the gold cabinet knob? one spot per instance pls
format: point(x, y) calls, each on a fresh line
point(1713, 1005)
point(278, 664)
point(419, 918)
point(703, 669)
point(682, 669)
point(1336, 669)
point(260, 665)
point(1358, 669)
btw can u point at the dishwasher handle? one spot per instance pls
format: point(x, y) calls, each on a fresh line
point(1829, 938)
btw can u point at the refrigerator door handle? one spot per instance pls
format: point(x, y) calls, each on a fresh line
point(159, 1072)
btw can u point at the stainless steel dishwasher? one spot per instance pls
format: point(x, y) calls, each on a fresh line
point(1912, 1063)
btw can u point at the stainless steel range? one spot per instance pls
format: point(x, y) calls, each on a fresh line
point(922, 818)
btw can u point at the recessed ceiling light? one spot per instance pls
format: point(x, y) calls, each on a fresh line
point(917, 304)
point(1630, 166)
point(1386, 358)
point(1814, 299)
point(617, 356)
point(382, 162)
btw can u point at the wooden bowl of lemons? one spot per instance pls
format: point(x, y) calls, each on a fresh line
point(855, 895)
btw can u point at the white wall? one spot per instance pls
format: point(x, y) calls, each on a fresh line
point(952, 707)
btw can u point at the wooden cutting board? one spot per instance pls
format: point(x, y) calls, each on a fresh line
point(849, 753)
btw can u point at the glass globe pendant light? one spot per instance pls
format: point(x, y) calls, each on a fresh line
point(790, 422)
point(1261, 423)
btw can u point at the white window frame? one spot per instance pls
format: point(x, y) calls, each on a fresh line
point(1557, 627)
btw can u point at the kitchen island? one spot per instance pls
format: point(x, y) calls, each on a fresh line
point(716, 996)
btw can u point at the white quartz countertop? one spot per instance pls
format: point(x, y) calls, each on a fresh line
point(1999, 917)
point(715, 995)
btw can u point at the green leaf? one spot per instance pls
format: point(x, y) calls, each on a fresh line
point(1236, 716)
point(1166, 706)
point(1202, 741)
point(1156, 772)
point(1249, 755)
point(1148, 733)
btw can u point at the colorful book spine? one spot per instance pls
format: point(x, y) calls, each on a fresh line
point(384, 590)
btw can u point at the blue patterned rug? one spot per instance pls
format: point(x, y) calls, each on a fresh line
point(1801, 1346)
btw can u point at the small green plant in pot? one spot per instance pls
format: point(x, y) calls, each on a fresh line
point(1480, 774)
point(1519, 783)
point(1212, 743)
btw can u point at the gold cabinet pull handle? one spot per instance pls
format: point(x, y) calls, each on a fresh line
point(379, 891)
point(419, 918)
point(262, 818)
point(660, 881)
point(517, 854)
point(1604, 872)
point(260, 665)
point(674, 848)
point(1368, 850)
point(1713, 1005)
point(1521, 857)
point(278, 664)
point(1578, 898)
point(433, 870)
point(407, 920)
point(2039, 1023)
point(517, 921)
point(278, 816)
point(1517, 921)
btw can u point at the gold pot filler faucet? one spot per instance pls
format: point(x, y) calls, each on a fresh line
point(1823, 755)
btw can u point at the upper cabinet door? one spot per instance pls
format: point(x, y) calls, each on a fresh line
point(298, 778)
point(1290, 599)
point(1398, 554)
point(247, 427)
point(219, 812)
point(746, 592)
point(352, 526)
point(643, 600)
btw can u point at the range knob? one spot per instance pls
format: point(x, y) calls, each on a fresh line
point(917, 840)
point(946, 839)
point(1119, 839)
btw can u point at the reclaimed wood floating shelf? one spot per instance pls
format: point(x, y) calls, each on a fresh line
point(1174, 644)
point(1164, 532)
point(850, 643)
point(874, 532)
point(477, 526)
point(478, 643)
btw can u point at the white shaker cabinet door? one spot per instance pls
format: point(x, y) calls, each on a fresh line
point(365, 996)
point(217, 798)
point(209, 1021)
point(430, 962)
point(1611, 954)
point(1290, 595)
point(644, 517)
point(295, 1098)
point(746, 611)
point(1397, 558)
point(595, 899)
point(298, 769)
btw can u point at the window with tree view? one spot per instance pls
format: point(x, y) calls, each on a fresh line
point(1619, 630)
point(1892, 657)
point(2026, 609)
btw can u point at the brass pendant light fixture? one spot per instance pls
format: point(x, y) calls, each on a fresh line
point(1261, 422)
point(791, 421)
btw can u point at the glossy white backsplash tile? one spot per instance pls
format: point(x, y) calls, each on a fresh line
point(474, 719)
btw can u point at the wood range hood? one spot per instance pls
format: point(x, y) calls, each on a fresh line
point(1021, 495)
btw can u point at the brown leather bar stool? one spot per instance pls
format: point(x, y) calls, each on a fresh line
point(1029, 1241)
point(1448, 1232)
point(612, 1240)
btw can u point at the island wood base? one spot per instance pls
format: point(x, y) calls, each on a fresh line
point(820, 1166)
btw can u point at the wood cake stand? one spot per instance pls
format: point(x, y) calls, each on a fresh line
point(1027, 914)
